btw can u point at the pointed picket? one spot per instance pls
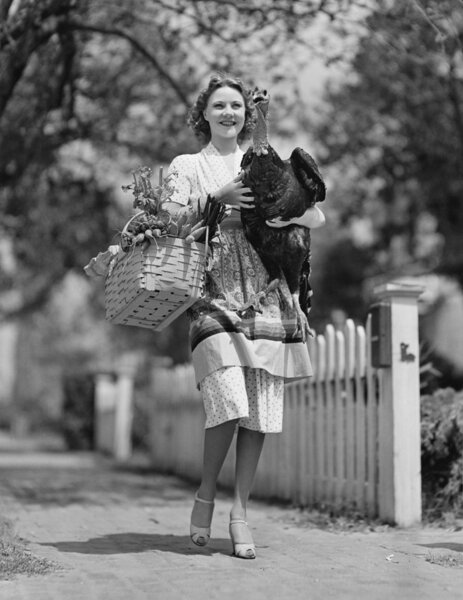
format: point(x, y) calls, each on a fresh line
point(360, 419)
point(350, 407)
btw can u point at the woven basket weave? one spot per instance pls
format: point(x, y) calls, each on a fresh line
point(151, 287)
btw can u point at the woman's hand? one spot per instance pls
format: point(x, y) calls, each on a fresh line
point(235, 194)
point(312, 218)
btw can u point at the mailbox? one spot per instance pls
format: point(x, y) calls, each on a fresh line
point(381, 342)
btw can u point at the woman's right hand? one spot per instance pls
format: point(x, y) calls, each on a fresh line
point(235, 194)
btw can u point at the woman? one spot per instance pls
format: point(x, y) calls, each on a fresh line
point(243, 337)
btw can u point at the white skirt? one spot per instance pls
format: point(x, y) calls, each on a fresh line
point(254, 396)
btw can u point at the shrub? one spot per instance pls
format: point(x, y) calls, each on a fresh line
point(442, 452)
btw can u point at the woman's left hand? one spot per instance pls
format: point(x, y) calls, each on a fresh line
point(235, 193)
point(312, 219)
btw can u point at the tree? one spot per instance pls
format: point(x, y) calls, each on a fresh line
point(393, 136)
point(90, 89)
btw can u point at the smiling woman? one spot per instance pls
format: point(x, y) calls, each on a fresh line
point(243, 331)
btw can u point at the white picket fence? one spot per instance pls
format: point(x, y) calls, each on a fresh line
point(328, 452)
point(351, 433)
point(114, 411)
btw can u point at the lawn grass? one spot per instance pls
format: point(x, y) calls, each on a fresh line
point(16, 558)
point(445, 560)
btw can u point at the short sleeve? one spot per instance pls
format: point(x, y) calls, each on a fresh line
point(179, 183)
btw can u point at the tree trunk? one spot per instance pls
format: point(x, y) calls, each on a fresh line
point(5, 9)
point(23, 33)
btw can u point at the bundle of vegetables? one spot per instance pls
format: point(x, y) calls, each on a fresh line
point(191, 224)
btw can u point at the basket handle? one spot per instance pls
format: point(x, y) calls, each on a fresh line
point(141, 212)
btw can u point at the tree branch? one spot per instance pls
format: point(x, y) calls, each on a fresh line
point(5, 8)
point(20, 38)
point(76, 25)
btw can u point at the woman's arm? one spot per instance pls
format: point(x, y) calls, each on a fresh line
point(180, 188)
point(312, 219)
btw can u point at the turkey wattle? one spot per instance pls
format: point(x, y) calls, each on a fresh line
point(282, 189)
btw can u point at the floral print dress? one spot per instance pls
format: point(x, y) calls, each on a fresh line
point(238, 322)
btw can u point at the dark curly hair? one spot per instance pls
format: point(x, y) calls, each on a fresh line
point(196, 119)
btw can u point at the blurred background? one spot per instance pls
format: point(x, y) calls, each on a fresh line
point(91, 90)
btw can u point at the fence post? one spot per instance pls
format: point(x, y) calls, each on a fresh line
point(124, 414)
point(105, 401)
point(114, 407)
point(395, 349)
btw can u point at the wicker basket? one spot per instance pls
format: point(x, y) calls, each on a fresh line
point(151, 287)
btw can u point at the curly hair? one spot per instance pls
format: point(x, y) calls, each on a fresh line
point(196, 119)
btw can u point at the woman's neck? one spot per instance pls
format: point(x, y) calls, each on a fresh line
point(225, 146)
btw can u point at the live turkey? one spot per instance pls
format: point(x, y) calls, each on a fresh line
point(283, 190)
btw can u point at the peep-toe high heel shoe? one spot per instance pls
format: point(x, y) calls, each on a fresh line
point(240, 549)
point(200, 535)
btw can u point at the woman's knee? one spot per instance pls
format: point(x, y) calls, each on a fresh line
point(223, 426)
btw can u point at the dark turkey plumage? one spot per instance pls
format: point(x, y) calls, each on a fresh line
point(284, 189)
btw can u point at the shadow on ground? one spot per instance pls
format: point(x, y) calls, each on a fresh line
point(125, 543)
point(444, 546)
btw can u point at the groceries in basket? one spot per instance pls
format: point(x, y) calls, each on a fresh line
point(157, 271)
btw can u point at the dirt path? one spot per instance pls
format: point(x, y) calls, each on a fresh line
point(122, 534)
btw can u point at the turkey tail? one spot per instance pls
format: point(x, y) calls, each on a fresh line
point(307, 173)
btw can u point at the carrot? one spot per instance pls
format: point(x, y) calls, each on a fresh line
point(196, 234)
point(185, 231)
point(197, 225)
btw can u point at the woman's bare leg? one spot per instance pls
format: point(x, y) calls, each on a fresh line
point(217, 441)
point(249, 446)
point(248, 450)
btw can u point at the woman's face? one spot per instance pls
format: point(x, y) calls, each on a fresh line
point(225, 113)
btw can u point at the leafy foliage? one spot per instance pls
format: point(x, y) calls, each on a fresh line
point(89, 90)
point(442, 452)
point(393, 137)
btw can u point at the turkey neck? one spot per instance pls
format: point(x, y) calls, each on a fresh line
point(259, 135)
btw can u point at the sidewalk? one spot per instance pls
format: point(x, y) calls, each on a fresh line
point(121, 534)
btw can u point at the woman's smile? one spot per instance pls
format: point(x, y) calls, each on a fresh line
point(225, 113)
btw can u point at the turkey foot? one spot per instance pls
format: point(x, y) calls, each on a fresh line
point(302, 321)
point(256, 299)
